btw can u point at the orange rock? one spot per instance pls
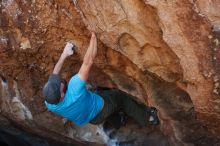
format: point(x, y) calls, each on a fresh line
point(166, 53)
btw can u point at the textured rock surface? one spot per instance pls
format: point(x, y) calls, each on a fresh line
point(166, 53)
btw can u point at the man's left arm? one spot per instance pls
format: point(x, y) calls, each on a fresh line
point(66, 52)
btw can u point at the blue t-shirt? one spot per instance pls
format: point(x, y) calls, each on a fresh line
point(79, 105)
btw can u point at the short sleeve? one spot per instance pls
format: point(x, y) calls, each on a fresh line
point(76, 85)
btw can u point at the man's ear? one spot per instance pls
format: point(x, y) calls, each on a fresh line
point(65, 84)
point(62, 94)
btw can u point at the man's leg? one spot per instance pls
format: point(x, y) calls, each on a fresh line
point(138, 111)
point(110, 106)
point(115, 100)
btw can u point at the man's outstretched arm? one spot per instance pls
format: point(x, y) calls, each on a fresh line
point(88, 58)
point(66, 52)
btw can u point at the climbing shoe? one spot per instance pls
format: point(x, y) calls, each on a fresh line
point(153, 118)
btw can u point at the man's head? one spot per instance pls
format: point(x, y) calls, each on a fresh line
point(54, 90)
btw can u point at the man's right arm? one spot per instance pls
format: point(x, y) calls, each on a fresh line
point(88, 58)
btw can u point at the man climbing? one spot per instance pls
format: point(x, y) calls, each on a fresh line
point(81, 106)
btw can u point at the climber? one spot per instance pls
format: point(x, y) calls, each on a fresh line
point(81, 106)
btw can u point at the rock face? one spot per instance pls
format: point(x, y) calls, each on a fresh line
point(166, 53)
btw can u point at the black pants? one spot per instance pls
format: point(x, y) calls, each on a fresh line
point(114, 101)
